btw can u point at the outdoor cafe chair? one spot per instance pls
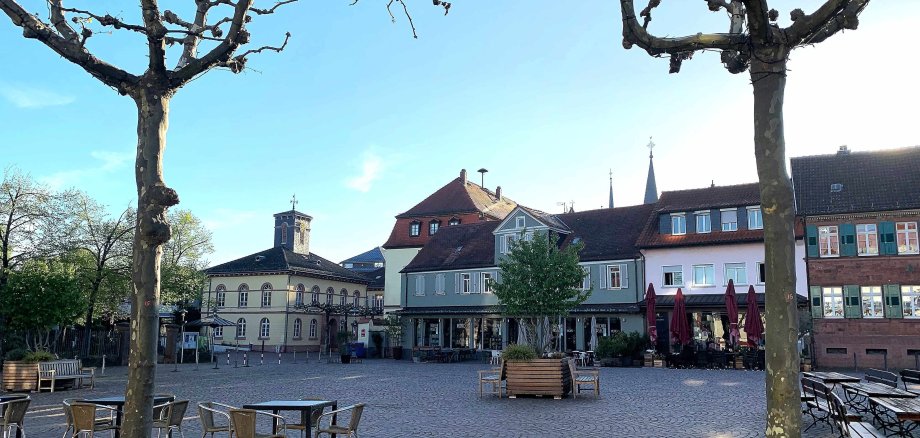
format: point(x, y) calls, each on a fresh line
point(170, 418)
point(86, 422)
point(68, 417)
point(351, 430)
point(206, 413)
point(314, 419)
point(493, 377)
point(14, 411)
point(243, 424)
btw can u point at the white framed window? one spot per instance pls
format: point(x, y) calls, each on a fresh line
point(485, 282)
point(241, 328)
point(678, 223)
point(736, 272)
point(415, 228)
point(378, 301)
point(833, 302)
point(761, 273)
point(586, 280)
point(298, 328)
point(704, 275)
point(314, 298)
point(221, 295)
point(313, 328)
point(871, 301)
point(284, 232)
point(453, 221)
point(910, 301)
point(266, 295)
point(466, 285)
point(433, 227)
point(243, 300)
point(298, 296)
point(343, 297)
point(439, 286)
point(828, 241)
point(907, 238)
point(672, 276)
point(520, 222)
point(866, 239)
point(615, 277)
point(703, 222)
point(218, 332)
point(755, 218)
point(528, 236)
point(729, 219)
point(507, 242)
point(356, 298)
point(264, 328)
point(330, 292)
point(419, 285)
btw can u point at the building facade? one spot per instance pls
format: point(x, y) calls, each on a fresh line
point(861, 212)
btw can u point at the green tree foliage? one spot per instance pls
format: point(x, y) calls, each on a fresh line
point(41, 296)
point(184, 257)
point(538, 281)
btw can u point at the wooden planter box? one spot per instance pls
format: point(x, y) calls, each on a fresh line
point(19, 376)
point(538, 377)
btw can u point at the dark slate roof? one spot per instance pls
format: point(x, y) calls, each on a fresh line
point(457, 247)
point(547, 219)
point(712, 300)
point(369, 256)
point(463, 310)
point(279, 259)
point(872, 181)
point(609, 233)
point(710, 197)
point(376, 278)
point(459, 197)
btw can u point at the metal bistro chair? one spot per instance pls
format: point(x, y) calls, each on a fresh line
point(171, 417)
point(85, 422)
point(243, 424)
point(314, 419)
point(351, 430)
point(14, 411)
point(206, 413)
point(68, 416)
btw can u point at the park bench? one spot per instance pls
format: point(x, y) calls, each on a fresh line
point(849, 426)
point(818, 399)
point(65, 369)
point(911, 380)
point(883, 377)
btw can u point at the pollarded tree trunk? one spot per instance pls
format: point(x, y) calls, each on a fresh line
point(151, 232)
point(768, 75)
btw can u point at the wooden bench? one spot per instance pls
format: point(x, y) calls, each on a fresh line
point(911, 380)
point(66, 369)
point(849, 426)
point(883, 377)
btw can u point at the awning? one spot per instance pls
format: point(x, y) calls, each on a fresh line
point(700, 301)
point(584, 309)
point(211, 321)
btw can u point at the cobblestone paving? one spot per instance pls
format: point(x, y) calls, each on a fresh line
point(433, 400)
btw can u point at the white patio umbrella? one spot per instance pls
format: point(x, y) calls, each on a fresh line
point(547, 333)
point(593, 333)
point(522, 332)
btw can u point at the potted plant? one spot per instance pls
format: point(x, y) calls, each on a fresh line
point(345, 338)
point(20, 368)
point(393, 326)
point(524, 373)
point(605, 351)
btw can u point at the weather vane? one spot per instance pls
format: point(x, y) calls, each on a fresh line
point(294, 202)
point(650, 146)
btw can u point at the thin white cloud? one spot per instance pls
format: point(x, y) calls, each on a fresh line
point(371, 168)
point(226, 218)
point(108, 162)
point(29, 97)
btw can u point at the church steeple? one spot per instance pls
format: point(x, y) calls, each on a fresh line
point(651, 189)
point(610, 205)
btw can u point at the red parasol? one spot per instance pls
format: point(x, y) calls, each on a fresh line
point(650, 316)
point(752, 324)
point(731, 304)
point(680, 328)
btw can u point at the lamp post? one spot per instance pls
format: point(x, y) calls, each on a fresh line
point(181, 339)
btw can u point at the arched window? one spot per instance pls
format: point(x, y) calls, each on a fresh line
point(329, 293)
point(244, 295)
point(357, 298)
point(344, 297)
point(454, 221)
point(298, 297)
point(315, 292)
point(415, 228)
point(313, 328)
point(221, 295)
point(284, 232)
point(298, 327)
point(241, 328)
point(266, 295)
point(264, 328)
point(433, 227)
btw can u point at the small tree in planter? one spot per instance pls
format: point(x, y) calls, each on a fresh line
point(344, 339)
point(394, 328)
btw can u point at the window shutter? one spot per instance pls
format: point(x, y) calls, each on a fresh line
point(887, 243)
point(664, 224)
point(817, 311)
point(604, 274)
point(457, 283)
point(852, 307)
point(892, 294)
point(811, 240)
point(691, 223)
point(847, 239)
point(715, 220)
point(474, 282)
point(742, 218)
point(624, 276)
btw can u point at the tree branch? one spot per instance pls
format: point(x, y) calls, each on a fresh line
point(272, 9)
point(758, 20)
point(59, 22)
point(71, 50)
point(236, 36)
point(108, 20)
point(633, 33)
point(830, 18)
point(156, 36)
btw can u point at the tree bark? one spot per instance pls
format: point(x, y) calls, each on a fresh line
point(768, 75)
point(152, 99)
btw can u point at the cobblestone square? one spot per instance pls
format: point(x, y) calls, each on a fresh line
point(432, 399)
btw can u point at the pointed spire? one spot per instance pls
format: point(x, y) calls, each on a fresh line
point(651, 189)
point(611, 190)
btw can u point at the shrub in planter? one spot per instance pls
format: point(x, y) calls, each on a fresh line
point(16, 354)
point(38, 356)
point(519, 352)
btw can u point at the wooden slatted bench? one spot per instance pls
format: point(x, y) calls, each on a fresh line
point(541, 377)
point(855, 427)
point(883, 377)
point(66, 369)
point(911, 380)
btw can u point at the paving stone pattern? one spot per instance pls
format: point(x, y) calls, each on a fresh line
point(434, 400)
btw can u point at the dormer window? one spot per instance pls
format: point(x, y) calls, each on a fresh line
point(454, 221)
point(520, 222)
point(433, 227)
point(730, 220)
point(703, 222)
point(755, 218)
point(678, 223)
point(415, 228)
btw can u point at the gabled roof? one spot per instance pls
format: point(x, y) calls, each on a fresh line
point(870, 181)
point(279, 259)
point(369, 256)
point(459, 197)
point(457, 247)
point(547, 219)
point(609, 233)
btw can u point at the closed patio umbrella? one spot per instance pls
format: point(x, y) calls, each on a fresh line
point(522, 332)
point(731, 305)
point(650, 316)
point(593, 333)
point(680, 328)
point(753, 326)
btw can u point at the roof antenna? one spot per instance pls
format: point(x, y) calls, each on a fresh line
point(482, 176)
point(713, 184)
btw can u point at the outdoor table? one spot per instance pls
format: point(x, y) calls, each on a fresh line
point(305, 407)
point(831, 378)
point(118, 402)
point(898, 412)
point(858, 393)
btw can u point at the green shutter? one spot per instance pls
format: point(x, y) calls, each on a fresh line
point(847, 239)
point(852, 308)
point(887, 243)
point(811, 240)
point(892, 294)
point(817, 311)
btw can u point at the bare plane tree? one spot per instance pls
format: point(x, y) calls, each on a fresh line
point(152, 91)
point(756, 43)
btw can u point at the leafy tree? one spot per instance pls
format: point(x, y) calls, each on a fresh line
point(538, 281)
point(755, 42)
point(39, 297)
point(184, 258)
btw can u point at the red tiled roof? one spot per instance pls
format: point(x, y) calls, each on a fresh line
point(457, 197)
point(710, 197)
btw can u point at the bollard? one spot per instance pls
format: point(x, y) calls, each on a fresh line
point(261, 358)
point(279, 358)
point(228, 357)
point(196, 358)
point(295, 356)
point(103, 364)
point(245, 360)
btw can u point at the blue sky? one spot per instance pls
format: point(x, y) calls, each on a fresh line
point(362, 121)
